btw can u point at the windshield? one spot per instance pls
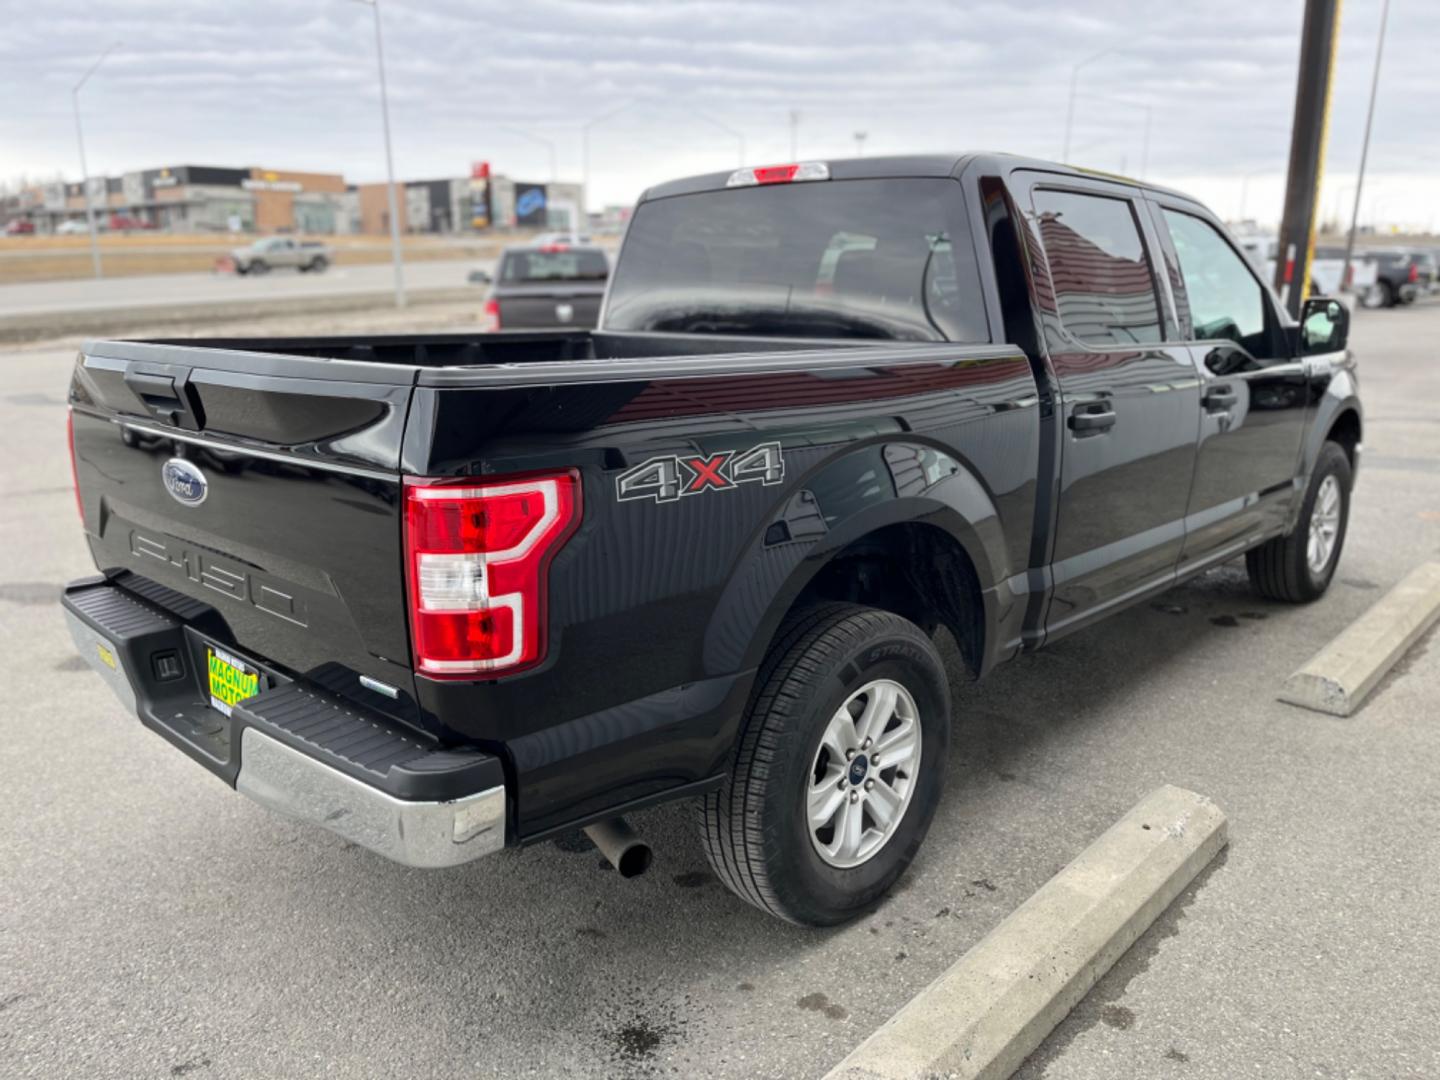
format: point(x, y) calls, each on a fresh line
point(855, 258)
point(555, 266)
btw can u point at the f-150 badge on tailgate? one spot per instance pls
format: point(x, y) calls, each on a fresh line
point(667, 478)
point(185, 482)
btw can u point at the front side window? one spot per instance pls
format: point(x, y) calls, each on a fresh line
point(1104, 287)
point(1226, 302)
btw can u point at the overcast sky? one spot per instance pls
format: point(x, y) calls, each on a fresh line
point(291, 84)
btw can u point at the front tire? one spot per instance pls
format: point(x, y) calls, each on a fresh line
point(1298, 568)
point(808, 826)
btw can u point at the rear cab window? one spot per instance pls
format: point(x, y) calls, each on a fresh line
point(541, 265)
point(886, 259)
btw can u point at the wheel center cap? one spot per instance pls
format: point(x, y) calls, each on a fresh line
point(859, 766)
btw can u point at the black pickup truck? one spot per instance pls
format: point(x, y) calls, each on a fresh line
point(450, 593)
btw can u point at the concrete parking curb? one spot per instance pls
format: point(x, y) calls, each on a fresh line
point(1338, 678)
point(996, 1004)
point(102, 322)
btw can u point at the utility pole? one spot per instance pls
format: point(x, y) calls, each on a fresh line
point(1318, 37)
point(85, 169)
point(1365, 145)
point(395, 253)
point(860, 137)
point(794, 134)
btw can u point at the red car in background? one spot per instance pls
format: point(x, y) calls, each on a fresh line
point(19, 228)
point(125, 223)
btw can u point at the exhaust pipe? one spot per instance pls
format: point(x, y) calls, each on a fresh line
point(617, 842)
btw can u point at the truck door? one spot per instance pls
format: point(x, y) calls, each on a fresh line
point(1129, 398)
point(1254, 391)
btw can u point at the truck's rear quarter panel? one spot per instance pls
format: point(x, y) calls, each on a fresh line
point(659, 610)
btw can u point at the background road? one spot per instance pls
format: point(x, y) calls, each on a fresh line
point(153, 923)
point(168, 290)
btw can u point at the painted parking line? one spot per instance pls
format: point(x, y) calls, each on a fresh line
point(1337, 679)
point(996, 1004)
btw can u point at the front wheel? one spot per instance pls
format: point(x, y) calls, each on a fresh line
point(839, 767)
point(1298, 568)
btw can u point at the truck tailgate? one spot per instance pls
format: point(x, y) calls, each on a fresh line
point(265, 487)
point(546, 305)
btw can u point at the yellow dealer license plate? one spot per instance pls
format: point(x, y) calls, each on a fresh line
point(231, 679)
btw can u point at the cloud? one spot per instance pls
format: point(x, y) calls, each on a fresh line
point(291, 84)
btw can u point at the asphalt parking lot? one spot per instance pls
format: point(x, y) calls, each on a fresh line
point(153, 923)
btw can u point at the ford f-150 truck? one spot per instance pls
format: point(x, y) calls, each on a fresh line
point(443, 594)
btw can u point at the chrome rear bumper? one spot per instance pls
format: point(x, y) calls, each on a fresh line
point(428, 834)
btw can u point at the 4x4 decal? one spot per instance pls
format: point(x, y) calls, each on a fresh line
point(668, 478)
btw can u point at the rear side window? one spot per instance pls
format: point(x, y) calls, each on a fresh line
point(522, 266)
point(847, 258)
point(1104, 287)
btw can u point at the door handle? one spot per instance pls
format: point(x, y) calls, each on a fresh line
point(1220, 399)
point(1092, 419)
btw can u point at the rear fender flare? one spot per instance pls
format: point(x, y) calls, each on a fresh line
point(838, 503)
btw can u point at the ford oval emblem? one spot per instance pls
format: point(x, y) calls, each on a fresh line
point(185, 482)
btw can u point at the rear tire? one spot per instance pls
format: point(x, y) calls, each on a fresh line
point(760, 830)
point(317, 265)
point(1298, 568)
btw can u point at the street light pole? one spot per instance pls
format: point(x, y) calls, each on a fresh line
point(1365, 144)
point(585, 151)
point(548, 143)
point(395, 253)
point(1074, 85)
point(84, 168)
point(737, 136)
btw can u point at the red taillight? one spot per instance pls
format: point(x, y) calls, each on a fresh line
point(1414, 273)
point(490, 316)
point(477, 557)
point(551, 249)
point(74, 472)
point(1289, 271)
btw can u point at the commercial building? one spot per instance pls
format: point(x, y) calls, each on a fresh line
point(208, 198)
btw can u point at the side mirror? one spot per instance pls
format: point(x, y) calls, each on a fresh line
point(1324, 326)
